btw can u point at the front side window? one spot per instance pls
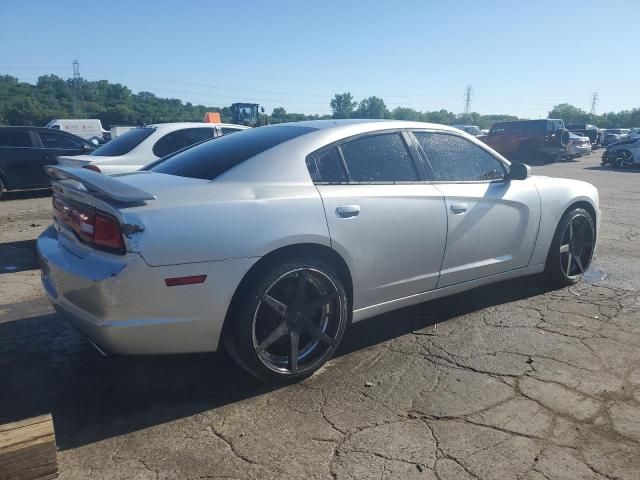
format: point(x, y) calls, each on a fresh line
point(379, 158)
point(456, 159)
point(15, 138)
point(57, 141)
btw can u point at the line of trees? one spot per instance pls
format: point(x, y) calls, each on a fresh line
point(52, 97)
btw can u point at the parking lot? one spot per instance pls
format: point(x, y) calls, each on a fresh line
point(506, 381)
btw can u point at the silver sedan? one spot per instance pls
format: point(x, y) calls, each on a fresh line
point(272, 241)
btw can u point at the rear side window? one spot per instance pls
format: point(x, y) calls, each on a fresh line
point(58, 141)
point(227, 130)
point(327, 167)
point(210, 159)
point(123, 144)
point(174, 141)
point(17, 138)
point(379, 158)
point(456, 159)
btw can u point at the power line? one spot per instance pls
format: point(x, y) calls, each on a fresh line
point(467, 99)
point(594, 102)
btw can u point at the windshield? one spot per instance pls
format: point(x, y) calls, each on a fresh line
point(209, 159)
point(123, 144)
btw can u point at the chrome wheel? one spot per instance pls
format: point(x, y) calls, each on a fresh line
point(576, 246)
point(298, 321)
point(624, 159)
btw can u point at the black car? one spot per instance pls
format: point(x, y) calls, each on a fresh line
point(24, 152)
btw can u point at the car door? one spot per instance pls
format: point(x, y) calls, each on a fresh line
point(492, 221)
point(384, 218)
point(20, 158)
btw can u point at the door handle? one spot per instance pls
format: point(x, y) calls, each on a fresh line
point(348, 211)
point(458, 208)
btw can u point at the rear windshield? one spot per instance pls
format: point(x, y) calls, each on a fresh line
point(123, 144)
point(209, 159)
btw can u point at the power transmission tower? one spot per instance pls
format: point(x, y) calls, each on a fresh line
point(76, 85)
point(594, 102)
point(468, 92)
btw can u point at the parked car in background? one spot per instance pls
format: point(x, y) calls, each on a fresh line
point(272, 241)
point(87, 128)
point(586, 130)
point(613, 135)
point(529, 140)
point(25, 151)
point(624, 153)
point(577, 146)
point(470, 129)
point(143, 145)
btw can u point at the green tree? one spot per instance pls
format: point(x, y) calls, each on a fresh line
point(570, 114)
point(372, 107)
point(405, 113)
point(342, 105)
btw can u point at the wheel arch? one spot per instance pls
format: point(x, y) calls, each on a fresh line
point(315, 250)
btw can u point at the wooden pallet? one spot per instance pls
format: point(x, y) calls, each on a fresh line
point(28, 449)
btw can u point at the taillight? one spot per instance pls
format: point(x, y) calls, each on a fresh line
point(92, 167)
point(107, 232)
point(92, 226)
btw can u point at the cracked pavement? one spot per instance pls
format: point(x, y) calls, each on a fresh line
point(506, 381)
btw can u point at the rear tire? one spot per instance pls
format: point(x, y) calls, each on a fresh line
point(2, 189)
point(297, 306)
point(571, 249)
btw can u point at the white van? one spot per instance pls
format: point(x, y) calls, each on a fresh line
point(118, 130)
point(86, 128)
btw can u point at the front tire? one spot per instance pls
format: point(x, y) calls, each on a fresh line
point(624, 159)
point(2, 189)
point(571, 248)
point(289, 321)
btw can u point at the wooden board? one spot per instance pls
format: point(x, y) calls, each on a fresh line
point(28, 449)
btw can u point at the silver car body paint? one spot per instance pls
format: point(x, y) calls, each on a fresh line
point(406, 245)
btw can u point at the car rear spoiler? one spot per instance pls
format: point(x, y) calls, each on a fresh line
point(97, 182)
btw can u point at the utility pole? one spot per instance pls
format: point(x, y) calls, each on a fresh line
point(76, 85)
point(594, 102)
point(467, 99)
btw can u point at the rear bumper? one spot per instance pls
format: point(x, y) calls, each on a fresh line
point(124, 305)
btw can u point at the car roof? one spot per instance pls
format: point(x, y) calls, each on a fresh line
point(177, 125)
point(364, 124)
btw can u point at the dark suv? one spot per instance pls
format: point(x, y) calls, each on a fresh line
point(529, 140)
point(24, 152)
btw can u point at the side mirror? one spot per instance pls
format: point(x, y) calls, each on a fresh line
point(519, 171)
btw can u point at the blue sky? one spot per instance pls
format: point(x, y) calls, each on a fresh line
point(520, 57)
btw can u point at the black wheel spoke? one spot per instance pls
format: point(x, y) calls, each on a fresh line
point(275, 304)
point(300, 288)
point(579, 263)
point(294, 339)
point(274, 336)
point(315, 332)
point(321, 301)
